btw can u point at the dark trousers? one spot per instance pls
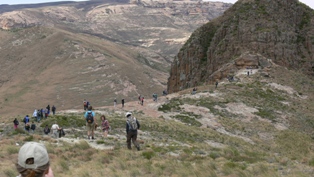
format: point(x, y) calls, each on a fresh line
point(132, 135)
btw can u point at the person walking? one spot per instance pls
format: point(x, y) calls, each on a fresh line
point(55, 128)
point(90, 122)
point(26, 119)
point(33, 161)
point(114, 102)
point(53, 109)
point(35, 115)
point(132, 125)
point(104, 125)
point(216, 84)
point(27, 127)
point(142, 101)
point(15, 123)
point(46, 130)
point(33, 127)
point(122, 102)
point(85, 104)
point(48, 108)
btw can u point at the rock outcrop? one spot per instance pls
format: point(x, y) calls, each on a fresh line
point(278, 30)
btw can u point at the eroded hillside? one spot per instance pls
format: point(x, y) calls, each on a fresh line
point(62, 53)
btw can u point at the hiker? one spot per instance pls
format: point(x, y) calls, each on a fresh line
point(16, 123)
point(33, 126)
point(115, 102)
point(48, 109)
point(142, 101)
point(35, 115)
point(248, 73)
point(42, 112)
point(164, 93)
point(216, 83)
point(85, 104)
point(33, 161)
point(53, 109)
point(27, 127)
point(132, 125)
point(90, 122)
point(26, 119)
point(122, 102)
point(55, 128)
point(139, 99)
point(104, 125)
point(46, 130)
point(46, 113)
point(61, 132)
point(156, 97)
point(39, 115)
point(194, 91)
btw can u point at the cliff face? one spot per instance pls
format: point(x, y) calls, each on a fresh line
point(247, 35)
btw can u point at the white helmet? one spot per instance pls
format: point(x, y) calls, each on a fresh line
point(127, 114)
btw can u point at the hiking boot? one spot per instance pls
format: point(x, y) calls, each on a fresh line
point(138, 148)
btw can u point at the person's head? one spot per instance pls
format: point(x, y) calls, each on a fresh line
point(89, 108)
point(103, 117)
point(33, 160)
point(128, 114)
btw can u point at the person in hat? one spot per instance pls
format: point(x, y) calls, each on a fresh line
point(33, 161)
point(132, 125)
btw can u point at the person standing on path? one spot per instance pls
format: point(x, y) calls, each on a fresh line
point(216, 84)
point(90, 122)
point(53, 109)
point(114, 102)
point(142, 101)
point(104, 125)
point(132, 125)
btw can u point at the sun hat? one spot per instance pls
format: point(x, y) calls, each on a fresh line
point(127, 114)
point(33, 150)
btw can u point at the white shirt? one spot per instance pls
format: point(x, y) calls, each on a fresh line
point(55, 127)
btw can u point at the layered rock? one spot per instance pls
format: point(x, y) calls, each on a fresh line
point(278, 30)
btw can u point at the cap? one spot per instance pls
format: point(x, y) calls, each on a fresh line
point(33, 150)
point(127, 114)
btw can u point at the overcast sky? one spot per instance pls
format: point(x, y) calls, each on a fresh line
point(307, 2)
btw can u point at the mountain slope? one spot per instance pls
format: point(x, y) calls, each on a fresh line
point(247, 35)
point(62, 53)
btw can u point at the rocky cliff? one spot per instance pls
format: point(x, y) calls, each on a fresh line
point(248, 34)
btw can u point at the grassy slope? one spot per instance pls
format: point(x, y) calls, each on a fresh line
point(280, 134)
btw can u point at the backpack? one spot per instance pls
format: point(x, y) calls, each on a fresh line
point(16, 122)
point(89, 118)
point(47, 130)
point(132, 123)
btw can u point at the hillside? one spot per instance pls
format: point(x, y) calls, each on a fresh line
point(259, 125)
point(246, 36)
point(61, 53)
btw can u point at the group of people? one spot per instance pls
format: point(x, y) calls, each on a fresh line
point(33, 158)
point(132, 125)
point(44, 113)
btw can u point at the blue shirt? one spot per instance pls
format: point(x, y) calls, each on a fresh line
point(88, 112)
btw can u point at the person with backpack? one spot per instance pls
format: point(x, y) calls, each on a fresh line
point(104, 125)
point(90, 122)
point(33, 126)
point(48, 109)
point(132, 125)
point(26, 119)
point(16, 123)
point(46, 130)
point(53, 109)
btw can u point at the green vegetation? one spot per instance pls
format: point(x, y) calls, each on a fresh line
point(173, 105)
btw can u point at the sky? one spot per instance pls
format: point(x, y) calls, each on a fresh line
point(307, 2)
